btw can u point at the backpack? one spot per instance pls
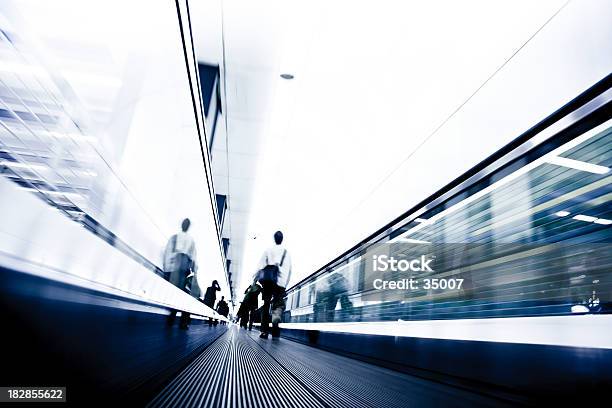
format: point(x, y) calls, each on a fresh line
point(252, 293)
point(270, 272)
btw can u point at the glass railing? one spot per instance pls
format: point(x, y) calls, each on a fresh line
point(531, 238)
point(97, 118)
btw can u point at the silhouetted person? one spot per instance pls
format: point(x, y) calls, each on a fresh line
point(243, 317)
point(250, 304)
point(223, 307)
point(211, 296)
point(179, 263)
point(273, 274)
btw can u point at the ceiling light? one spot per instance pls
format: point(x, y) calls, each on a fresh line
point(54, 193)
point(580, 309)
point(421, 220)
point(26, 166)
point(603, 221)
point(586, 218)
point(287, 76)
point(413, 241)
point(578, 165)
point(562, 213)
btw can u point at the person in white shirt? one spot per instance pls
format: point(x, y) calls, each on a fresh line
point(180, 264)
point(273, 273)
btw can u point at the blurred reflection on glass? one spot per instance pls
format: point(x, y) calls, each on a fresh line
point(534, 242)
point(96, 119)
point(332, 299)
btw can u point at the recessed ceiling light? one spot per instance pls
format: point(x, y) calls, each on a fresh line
point(578, 165)
point(413, 241)
point(580, 309)
point(423, 221)
point(287, 76)
point(603, 221)
point(562, 213)
point(26, 166)
point(586, 218)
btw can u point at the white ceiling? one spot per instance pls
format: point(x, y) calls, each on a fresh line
point(250, 37)
point(356, 138)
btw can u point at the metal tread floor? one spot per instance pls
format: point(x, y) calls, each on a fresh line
point(241, 370)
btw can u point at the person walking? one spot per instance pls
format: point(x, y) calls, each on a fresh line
point(210, 297)
point(180, 263)
point(251, 294)
point(273, 274)
point(223, 308)
point(242, 315)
